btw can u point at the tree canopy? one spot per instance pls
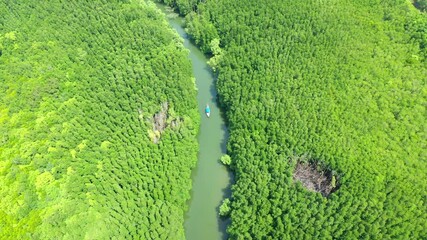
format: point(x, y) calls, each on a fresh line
point(80, 84)
point(343, 82)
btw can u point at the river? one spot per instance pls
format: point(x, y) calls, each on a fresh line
point(211, 179)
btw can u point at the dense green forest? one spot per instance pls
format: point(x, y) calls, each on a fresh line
point(98, 121)
point(338, 83)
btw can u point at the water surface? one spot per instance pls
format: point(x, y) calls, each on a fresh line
point(210, 178)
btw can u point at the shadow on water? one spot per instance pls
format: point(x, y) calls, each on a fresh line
point(212, 88)
point(226, 192)
point(223, 223)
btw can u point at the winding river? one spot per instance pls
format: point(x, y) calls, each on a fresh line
point(211, 179)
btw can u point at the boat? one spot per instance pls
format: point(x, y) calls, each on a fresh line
point(207, 110)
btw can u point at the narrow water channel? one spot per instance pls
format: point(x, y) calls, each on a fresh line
point(211, 179)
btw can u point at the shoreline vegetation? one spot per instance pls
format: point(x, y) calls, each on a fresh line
point(98, 121)
point(342, 82)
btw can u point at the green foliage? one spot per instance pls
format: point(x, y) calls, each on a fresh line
point(80, 82)
point(334, 181)
point(201, 31)
point(226, 159)
point(217, 52)
point(225, 208)
point(344, 81)
point(183, 6)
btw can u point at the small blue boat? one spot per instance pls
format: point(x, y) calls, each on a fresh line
point(207, 110)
